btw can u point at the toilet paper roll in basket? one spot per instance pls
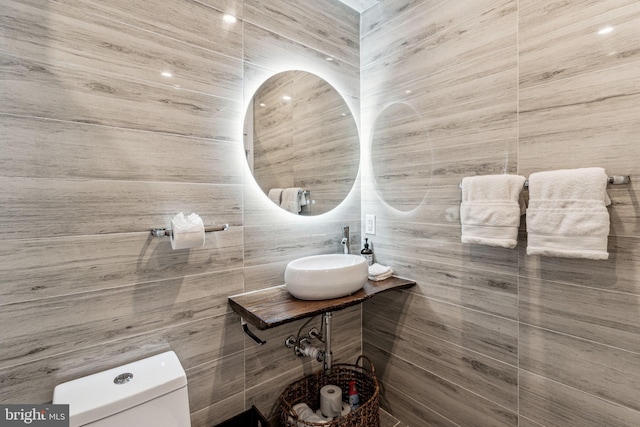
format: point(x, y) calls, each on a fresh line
point(187, 232)
point(345, 409)
point(331, 401)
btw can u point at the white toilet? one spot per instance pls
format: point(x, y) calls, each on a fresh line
point(148, 393)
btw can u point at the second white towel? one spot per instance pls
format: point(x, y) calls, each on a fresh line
point(567, 215)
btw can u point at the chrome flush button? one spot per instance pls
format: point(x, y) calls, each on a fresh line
point(123, 378)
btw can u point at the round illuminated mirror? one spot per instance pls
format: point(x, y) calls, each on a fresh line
point(401, 157)
point(301, 143)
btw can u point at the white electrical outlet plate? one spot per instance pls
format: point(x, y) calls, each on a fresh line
point(370, 224)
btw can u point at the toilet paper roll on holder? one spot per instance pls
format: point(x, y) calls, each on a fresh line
point(161, 232)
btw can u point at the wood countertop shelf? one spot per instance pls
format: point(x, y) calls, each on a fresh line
point(275, 306)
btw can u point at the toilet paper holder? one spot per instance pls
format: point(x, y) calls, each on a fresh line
point(161, 232)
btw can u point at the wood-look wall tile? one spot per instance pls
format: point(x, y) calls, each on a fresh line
point(194, 343)
point(312, 20)
point(76, 94)
point(388, 14)
point(266, 361)
point(489, 335)
point(215, 381)
point(485, 291)
point(525, 422)
point(441, 244)
point(381, 13)
point(572, 107)
point(609, 93)
point(266, 53)
point(444, 397)
point(85, 108)
point(601, 370)
point(493, 380)
point(189, 21)
point(439, 205)
point(618, 273)
point(219, 411)
point(482, 120)
point(412, 412)
point(538, 18)
point(593, 314)
point(580, 48)
point(205, 340)
point(66, 34)
point(475, 37)
point(491, 76)
point(265, 395)
point(286, 242)
point(451, 125)
point(552, 139)
point(424, 25)
point(451, 164)
point(43, 268)
point(81, 207)
point(553, 404)
point(264, 276)
point(80, 320)
point(147, 157)
point(387, 420)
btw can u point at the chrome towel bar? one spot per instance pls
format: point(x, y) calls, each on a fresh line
point(613, 180)
point(161, 232)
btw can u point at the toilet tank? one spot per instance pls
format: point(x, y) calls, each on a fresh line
point(148, 393)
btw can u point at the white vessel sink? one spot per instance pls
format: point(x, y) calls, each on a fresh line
point(329, 276)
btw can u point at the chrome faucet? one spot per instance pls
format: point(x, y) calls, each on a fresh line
point(345, 239)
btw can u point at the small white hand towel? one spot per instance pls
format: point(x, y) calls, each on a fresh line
point(302, 198)
point(275, 194)
point(491, 208)
point(291, 200)
point(567, 215)
point(378, 272)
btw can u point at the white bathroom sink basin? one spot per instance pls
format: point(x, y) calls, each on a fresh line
point(328, 276)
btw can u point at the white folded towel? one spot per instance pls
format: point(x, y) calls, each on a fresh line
point(291, 199)
point(567, 215)
point(275, 194)
point(491, 208)
point(378, 272)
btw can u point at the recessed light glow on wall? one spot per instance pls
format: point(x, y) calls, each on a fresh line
point(167, 74)
point(605, 30)
point(229, 19)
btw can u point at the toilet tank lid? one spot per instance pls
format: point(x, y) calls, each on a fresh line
point(97, 396)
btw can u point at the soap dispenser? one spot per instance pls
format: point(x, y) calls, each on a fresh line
point(366, 252)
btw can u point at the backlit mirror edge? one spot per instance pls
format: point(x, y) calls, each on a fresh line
point(353, 103)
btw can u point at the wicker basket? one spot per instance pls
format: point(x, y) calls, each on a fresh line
point(307, 390)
